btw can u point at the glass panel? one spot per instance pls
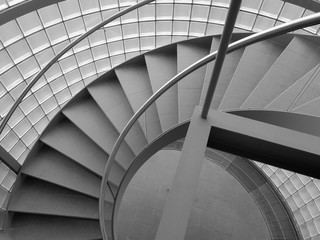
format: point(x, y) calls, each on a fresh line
point(44, 57)
point(313, 209)
point(131, 45)
point(14, 2)
point(87, 71)
point(49, 105)
point(3, 171)
point(130, 30)
point(92, 20)
point(180, 28)
point(22, 127)
point(19, 51)
point(3, 5)
point(113, 33)
point(103, 65)
point(99, 52)
point(9, 33)
point(116, 48)
point(17, 90)
point(291, 12)
point(68, 64)
point(28, 67)
point(200, 13)
point(57, 33)
point(218, 15)
point(63, 96)
point(29, 23)
point(18, 149)
point(130, 17)
point(69, 9)
point(28, 104)
point(147, 29)
point(30, 137)
point(97, 38)
point(58, 84)
point(11, 78)
point(84, 57)
point(75, 88)
point(164, 27)
point(245, 20)
point(263, 23)
point(43, 94)
point(50, 15)
point(89, 6)
point(271, 8)
point(146, 13)
point(250, 5)
point(197, 29)
point(40, 126)
point(36, 115)
point(164, 11)
point(147, 43)
point(75, 27)
point(38, 41)
point(6, 61)
point(3, 195)
point(9, 141)
point(73, 77)
point(182, 12)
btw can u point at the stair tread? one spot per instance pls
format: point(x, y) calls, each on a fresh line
point(112, 100)
point(189, 89)
point(39, 227)
point(52, 166)
point(288, 99)
point(87, 116)
point(312, 90)
point(36, 196)
point(311, 108)
point(254, 64)
point(135, 82)
point(162, 66)
point(69, 140)
point(296, 60)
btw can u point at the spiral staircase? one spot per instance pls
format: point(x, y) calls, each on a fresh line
point(56, 194)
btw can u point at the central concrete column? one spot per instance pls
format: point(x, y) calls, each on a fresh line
point(175, 216)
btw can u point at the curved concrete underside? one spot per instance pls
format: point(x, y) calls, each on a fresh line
point(221, 209)
point(276, 213)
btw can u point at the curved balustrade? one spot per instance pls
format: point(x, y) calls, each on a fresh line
point(272, 32)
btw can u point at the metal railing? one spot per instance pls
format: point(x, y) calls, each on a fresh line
point(257, 37)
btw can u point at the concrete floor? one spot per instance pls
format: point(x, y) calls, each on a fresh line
point(222, 208)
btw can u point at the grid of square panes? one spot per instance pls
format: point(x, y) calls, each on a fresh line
point(29, 42)
point(302, 194)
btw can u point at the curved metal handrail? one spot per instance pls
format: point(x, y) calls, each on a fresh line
point(64, 51)
point(257, 37)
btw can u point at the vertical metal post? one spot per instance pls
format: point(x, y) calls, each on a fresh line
point(225, 39)
point(178, 206)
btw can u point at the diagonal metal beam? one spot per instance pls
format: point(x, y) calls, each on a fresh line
point(275, 145)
